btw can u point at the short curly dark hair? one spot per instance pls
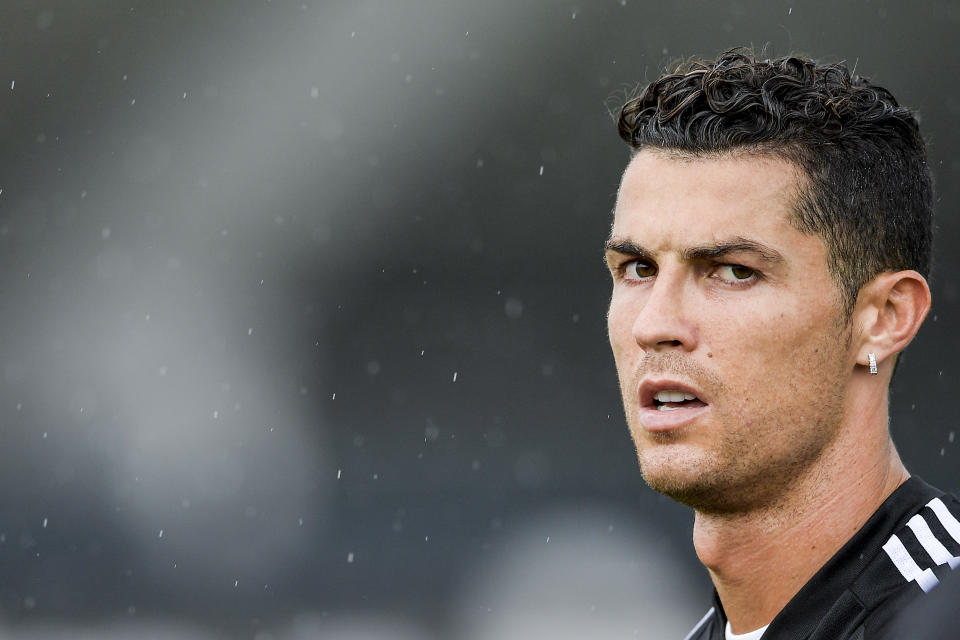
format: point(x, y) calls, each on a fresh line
point(868, 190)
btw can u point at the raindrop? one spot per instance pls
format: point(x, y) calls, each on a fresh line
point(789, 11)
point(454, 376)
point(105, 233)
point(133, 102)
point(44, 435)
point(350, 557)
point(235, 583)
point(44, 523)
point(339, 473)
point(250, 331)
point(12, 83)
point(300, 521)
point(541, 169)
point(216, 414)
point(314, 92)
point(334, 396)
point(950, 437)
point(160, 535)
point(184, 95)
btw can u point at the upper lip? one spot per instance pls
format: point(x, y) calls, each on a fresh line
point(650, 386)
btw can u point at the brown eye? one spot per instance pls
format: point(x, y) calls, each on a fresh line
point(639, 270)
point(735, 273)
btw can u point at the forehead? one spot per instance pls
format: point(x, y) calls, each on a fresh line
point(677, 201)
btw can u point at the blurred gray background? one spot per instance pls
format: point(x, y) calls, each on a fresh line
point(303, 323)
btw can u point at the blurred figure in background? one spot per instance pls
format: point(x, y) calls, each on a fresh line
point(769, 251)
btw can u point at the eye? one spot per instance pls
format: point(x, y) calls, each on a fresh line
point(735, 273)
point(638, 270)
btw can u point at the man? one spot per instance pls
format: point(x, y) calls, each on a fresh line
point(769, 252)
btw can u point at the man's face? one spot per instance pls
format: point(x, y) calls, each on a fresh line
point(716, 296)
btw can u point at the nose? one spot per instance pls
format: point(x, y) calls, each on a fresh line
point(665, 320)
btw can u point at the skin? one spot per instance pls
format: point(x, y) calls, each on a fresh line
point(714, 288)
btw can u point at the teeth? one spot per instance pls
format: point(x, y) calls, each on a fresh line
point(673, 396)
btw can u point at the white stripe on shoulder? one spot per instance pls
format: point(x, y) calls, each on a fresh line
point(907, 565)
point(946, 518)
point(702, 622)
point(938, 553)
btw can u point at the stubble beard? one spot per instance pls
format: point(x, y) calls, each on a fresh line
point(739, 472)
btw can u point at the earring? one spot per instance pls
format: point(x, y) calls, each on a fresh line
point(872, 359)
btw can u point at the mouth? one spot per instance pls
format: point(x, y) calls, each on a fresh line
point(669, 404)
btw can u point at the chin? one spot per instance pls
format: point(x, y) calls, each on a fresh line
point(690, 478)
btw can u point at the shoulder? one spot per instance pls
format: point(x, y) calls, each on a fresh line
point(909, 545)
point(909, 601)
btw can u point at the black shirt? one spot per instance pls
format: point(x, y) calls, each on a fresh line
point(903, 551)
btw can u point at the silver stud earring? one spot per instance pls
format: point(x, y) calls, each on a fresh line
point(872, 359)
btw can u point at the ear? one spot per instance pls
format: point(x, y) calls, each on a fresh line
point(889, 311)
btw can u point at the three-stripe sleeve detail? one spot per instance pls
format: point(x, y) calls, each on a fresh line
point(907, 565)
point(938, 553)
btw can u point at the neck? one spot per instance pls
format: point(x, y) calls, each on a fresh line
point(759, 559)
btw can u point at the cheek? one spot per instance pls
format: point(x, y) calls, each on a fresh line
point(626, 352)
point(619, 328)
point(778, 362)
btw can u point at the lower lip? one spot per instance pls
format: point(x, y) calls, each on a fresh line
point(664, 420)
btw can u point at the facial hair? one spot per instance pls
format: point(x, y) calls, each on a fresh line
point(736, 472)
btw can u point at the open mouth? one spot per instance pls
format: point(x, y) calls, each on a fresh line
point(673, 400)
point(670, 404)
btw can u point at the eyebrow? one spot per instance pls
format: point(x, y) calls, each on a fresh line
point(704, 252)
